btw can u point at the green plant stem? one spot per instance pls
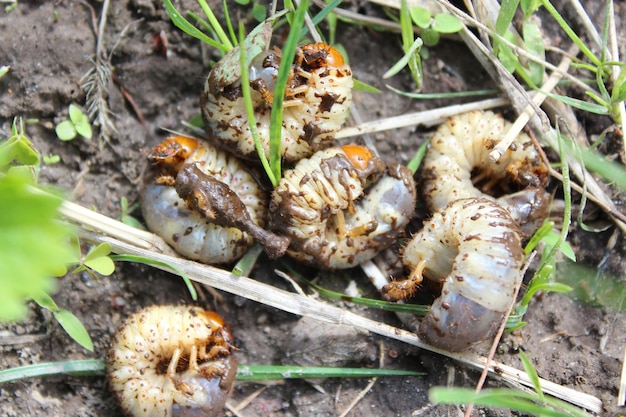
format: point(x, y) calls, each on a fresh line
point(247, 101)
point(570, 32)
point(276, 117)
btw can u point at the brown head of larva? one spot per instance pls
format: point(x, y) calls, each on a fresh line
point(171, 361)
point(173, 151)
point(320, 55)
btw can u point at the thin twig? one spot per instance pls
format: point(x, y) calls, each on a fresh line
point(428, 117)
point(525, 116)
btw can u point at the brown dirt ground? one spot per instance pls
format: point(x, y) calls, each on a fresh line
point(47, 43)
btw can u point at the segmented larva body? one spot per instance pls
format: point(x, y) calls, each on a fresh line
point(171, 361)
point(458, 153)
point(341, 206)
point(186, 230)
point(473, 247)
point(317, 102)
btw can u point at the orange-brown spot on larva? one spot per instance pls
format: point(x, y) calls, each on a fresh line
point(173, 151)
point(214, 319)
point(358, 155)
point(324, 54)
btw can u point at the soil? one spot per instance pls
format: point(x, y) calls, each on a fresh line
point(575, 340)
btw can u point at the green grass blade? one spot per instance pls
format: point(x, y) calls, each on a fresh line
point(276, 118)
point(184, 25)
point(570, 32)
point(435, 96)
point(89, 367)
point(215, 24)
point(416, 161)
point(404, 61)
point(262, 372)
point(246, 263)
point(154, 262)
point(505, 398)
point(532, 374)
point(96, 367)
point(247, 100)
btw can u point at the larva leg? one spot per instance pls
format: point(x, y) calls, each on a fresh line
point(171, 369)
point(405, 288)
point(193, 358)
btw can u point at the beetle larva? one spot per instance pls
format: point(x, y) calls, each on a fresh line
point(171, 361)
point(457, 161)
point(317, 101)
point(187, 230)
point(341, 206)
point(473, 247)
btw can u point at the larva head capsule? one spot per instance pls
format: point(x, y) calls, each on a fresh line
point(358, 155)
point(171, 154)
point(319, 55)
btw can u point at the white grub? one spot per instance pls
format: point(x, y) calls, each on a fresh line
point(171, 361)
point(457, 165)
point(342, 206)
point(186, 230)
point(472, 247)
point(317, 103)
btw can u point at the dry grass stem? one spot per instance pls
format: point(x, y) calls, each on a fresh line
point(528, 112)
point(428, 118)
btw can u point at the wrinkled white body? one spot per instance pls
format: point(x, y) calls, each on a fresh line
point(473, 247)
point(147, 340)
point(308, 125)
point(462, 145)
point(319, 196)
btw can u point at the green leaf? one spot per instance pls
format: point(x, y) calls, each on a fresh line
point(34, 245)
point(76, 114)
point(258, 12)
point(72, 325)
point(533, 39)
point(18, 147)
point(430, 37)
point(51, 159)
point(361, 86)
point(84, 129)
point(4, 70)
point(532, 373)
point(582, 105)
point(183, 24)
point(505, 16)
point(447, 23)
point(65, 130)
point(98, 259)
point(45, 301)
point(421, 16)
point(75, 367)
point(150, 261)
